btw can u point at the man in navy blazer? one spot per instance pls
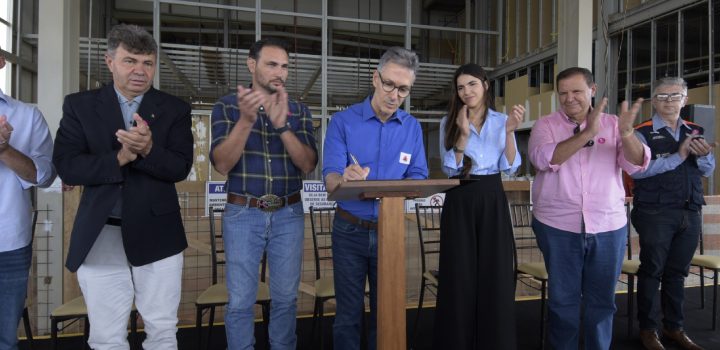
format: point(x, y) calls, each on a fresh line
point(127, 144)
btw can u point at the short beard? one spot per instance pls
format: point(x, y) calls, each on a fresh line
point(269, 88)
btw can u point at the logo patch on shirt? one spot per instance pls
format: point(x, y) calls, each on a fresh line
point(662, 155)
point(405, 158)
point(658, 137)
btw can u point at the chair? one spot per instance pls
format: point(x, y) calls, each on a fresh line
point(76, 309)
point(26, 325)
point(217, 294)
point(428, 224)
point(710, 262)
point(72, 310)
point(321, 220)
point(630, 268)
point(26, 313)
point(529, 264)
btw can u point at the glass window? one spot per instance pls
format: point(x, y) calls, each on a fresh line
point(6, 11)
point(695, 46)
point(621, 67)
point(535, 75)
point(666, 53)
point(716, 41)
point(641, 58)
point(548, 72)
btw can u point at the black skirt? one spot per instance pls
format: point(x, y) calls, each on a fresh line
point(476, 296)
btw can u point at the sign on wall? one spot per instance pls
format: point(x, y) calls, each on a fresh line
point(215, 195)
point(314, 194)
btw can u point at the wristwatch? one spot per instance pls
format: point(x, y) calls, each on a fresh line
point(283, 128)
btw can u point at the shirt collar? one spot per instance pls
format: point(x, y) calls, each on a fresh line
point(3, 97)
point(658, 123)
point(122, 99)
point(367, 112)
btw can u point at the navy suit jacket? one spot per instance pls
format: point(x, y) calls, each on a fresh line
point(86, 154)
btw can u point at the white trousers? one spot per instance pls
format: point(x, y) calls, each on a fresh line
point(109, 284)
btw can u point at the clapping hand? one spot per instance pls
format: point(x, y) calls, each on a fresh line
point(276, 107)
point(515, 118)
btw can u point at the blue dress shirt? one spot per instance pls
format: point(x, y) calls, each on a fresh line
point(392, 150)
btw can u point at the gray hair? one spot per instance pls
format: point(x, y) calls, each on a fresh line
point(670, 81)
point(400, 56)
point(133, 38)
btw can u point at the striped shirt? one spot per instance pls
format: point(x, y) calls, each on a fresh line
point(265, 166)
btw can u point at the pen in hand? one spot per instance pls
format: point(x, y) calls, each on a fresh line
point(354, 160)
point(365, 171)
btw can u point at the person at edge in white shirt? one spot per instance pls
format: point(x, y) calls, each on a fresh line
point(25, 162)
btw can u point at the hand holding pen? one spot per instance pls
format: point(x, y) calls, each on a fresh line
point(354, 171)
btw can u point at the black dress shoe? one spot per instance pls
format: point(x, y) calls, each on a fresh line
point(650, 340)
point(681, 338)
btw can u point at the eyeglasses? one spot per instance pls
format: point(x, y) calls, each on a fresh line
point(670, 97)
point(577, 130)
point(387, 86)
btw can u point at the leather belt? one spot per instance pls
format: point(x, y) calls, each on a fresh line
point(345, 215)
point(113, 222)
point(268, 202)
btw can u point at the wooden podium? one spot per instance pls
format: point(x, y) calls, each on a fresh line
point(391, 246)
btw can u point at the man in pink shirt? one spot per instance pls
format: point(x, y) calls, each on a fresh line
point(578, 207)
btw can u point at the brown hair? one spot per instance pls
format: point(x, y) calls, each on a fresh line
point(452, 132)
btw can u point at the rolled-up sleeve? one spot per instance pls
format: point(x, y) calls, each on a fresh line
point(542, 146)
point(505, 166)
point(41, 147)
point(626, 165)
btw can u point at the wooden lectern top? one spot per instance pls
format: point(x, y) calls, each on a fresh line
point(371, 189)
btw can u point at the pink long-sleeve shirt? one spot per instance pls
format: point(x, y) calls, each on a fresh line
point(588, 186)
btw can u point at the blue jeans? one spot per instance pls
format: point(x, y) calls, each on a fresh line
point(354, 259)
point(668, 239)
point(14, 272)
point(248, 232)
point(583, 270)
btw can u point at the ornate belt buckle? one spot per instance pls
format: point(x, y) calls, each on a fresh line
point(269, 202)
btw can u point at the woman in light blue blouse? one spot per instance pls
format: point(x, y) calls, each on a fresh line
point(476, 295)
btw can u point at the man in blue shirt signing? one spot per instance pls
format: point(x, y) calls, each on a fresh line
point(371, 140)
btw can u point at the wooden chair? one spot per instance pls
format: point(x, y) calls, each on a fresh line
point(321, 221)
point(428, 224)
point(529, 264)
point(630, 268)
point(26, 325)
point(712, 263)
point(26, 312)
point(75, 310)
point(217, 294)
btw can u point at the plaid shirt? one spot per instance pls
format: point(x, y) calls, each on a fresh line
point(265, 166)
